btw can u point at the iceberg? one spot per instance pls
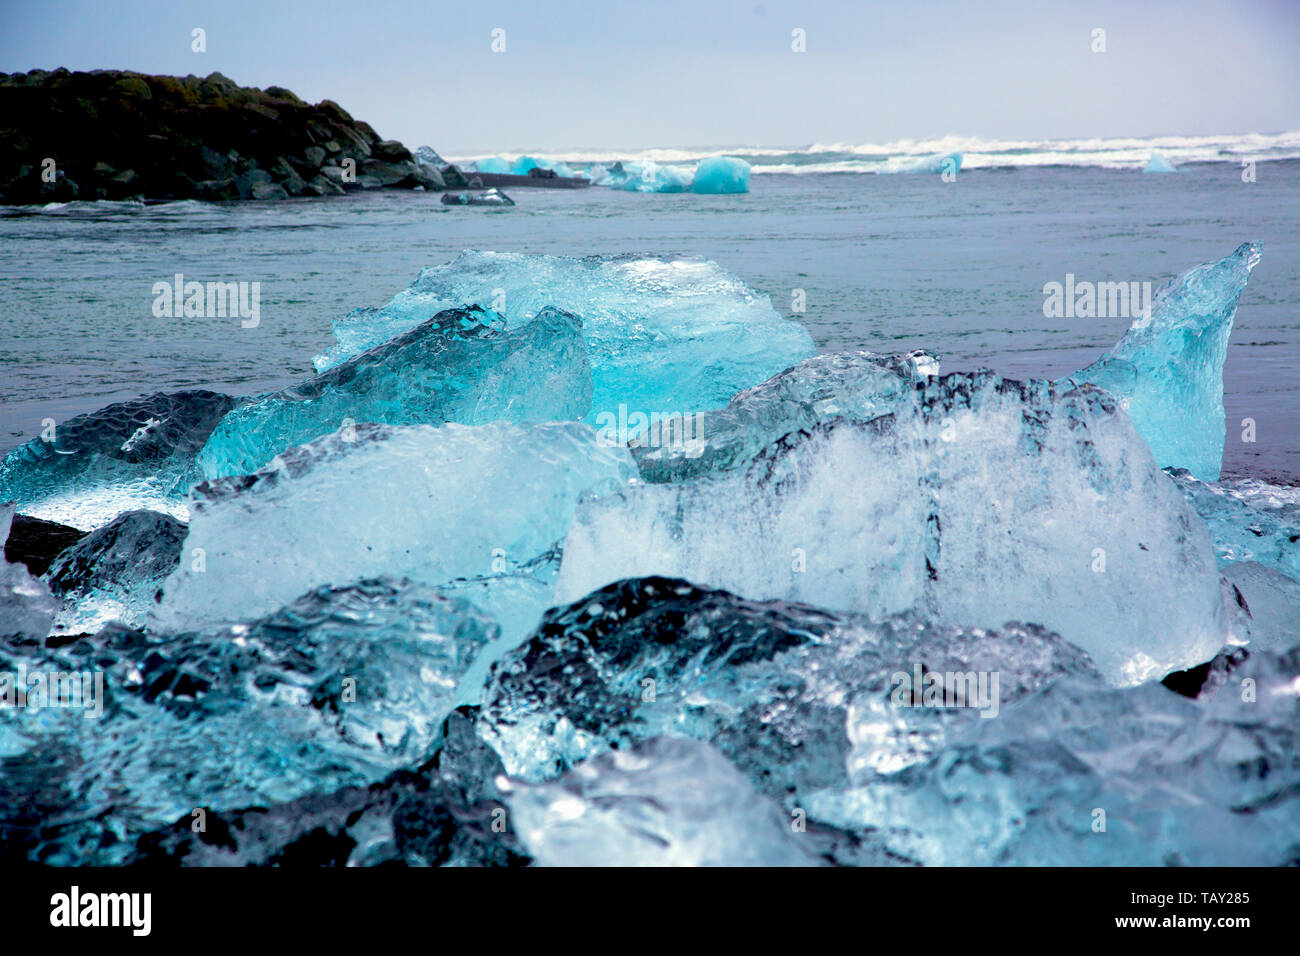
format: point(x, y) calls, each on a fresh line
point(944, 163)
point(855, 385)
point(432, 504)
point(983, 502)
point(798, 698)
point(1249, 520)
point(114, 573)
point(1081, 774)
point(492, 164)
point(340, 688)
point(446, 813)
point(459, 366)
point(652, 177)
point(489, 197)
point(666, 802)
point(663, 334)
point(26, 605)
point(1167, 370)
point(1158, 164)
point(721, 174)
point(123, 457)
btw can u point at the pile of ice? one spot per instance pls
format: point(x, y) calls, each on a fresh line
point(593, 561)
point(663, 334)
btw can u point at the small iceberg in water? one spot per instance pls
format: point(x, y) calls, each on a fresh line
point(1158, 164)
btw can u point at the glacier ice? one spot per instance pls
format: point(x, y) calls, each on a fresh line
point(434, 504)
point(1173, 781)
point(26, 606)
point(459, 366)
point(447, 812)
point(123, 457)
point(652, 177)
point(1249, 520)
point(1167, 370)
point(115, 572)
point(665, 802)
point(343, 686)
point(1273, 600)
point(856, 385)
point(488, 197)
point(945, 163)
point(663, 334)
point(985, 501)
point(796, 697)
point(1158, 164)
point(721, 174)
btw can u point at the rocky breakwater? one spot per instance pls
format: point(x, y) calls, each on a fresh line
point(111, 134)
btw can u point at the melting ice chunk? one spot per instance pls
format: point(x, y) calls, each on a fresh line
point(987, 501)
point(1158, 164)
point(458, 366)
point(432, 504)
point(663, 335)
point(797, 698)
point(1168, 368)
point(338, 689)
point(721, 174)
point(666, 802)
point(136, 454)
point(856, 385)
point(1249, 520)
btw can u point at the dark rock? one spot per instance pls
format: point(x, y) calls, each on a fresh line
point(118, 134)
point(269, 191)
point(36, 542)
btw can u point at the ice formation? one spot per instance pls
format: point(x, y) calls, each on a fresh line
point(985, 501)
point(338, 689)
point(458, 366)
point(663, 334)
point(1168, 368)
point(1158, 164)
point(1249, 520)
point(666, 802)
point(652, 177)
point(432, 504)
point(126, 456)
point(945, 163)
point(489, 197)
point(114, 573)
point(26, 606)
point(797, 697)
point(721, 174)
point(856, 385)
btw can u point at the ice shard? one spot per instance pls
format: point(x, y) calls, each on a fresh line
point(1167, 370)
point(340, 688)
point(123, 457)
point(666, 802)
point(985, 501)
point(26, 605)
point(796, 697)
point(721, 174)
point(1158, 164)
point(458, 366)
point(855, 385)
point(433, 504)
point(1080, 774)
point(1249, 520)
point(652, 177)
point(115, 572)
point(664, 335)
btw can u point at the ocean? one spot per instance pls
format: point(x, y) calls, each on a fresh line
point(883, 262)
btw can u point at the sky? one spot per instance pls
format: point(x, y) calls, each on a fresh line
point(629, 75)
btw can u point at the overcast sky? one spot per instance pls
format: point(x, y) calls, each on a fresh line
point(626, 73)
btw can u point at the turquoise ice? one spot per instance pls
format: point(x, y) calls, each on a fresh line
point(721, 174)
point(431, 504)
point(458, 366)
point(1167, 370)
point(663, 334)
